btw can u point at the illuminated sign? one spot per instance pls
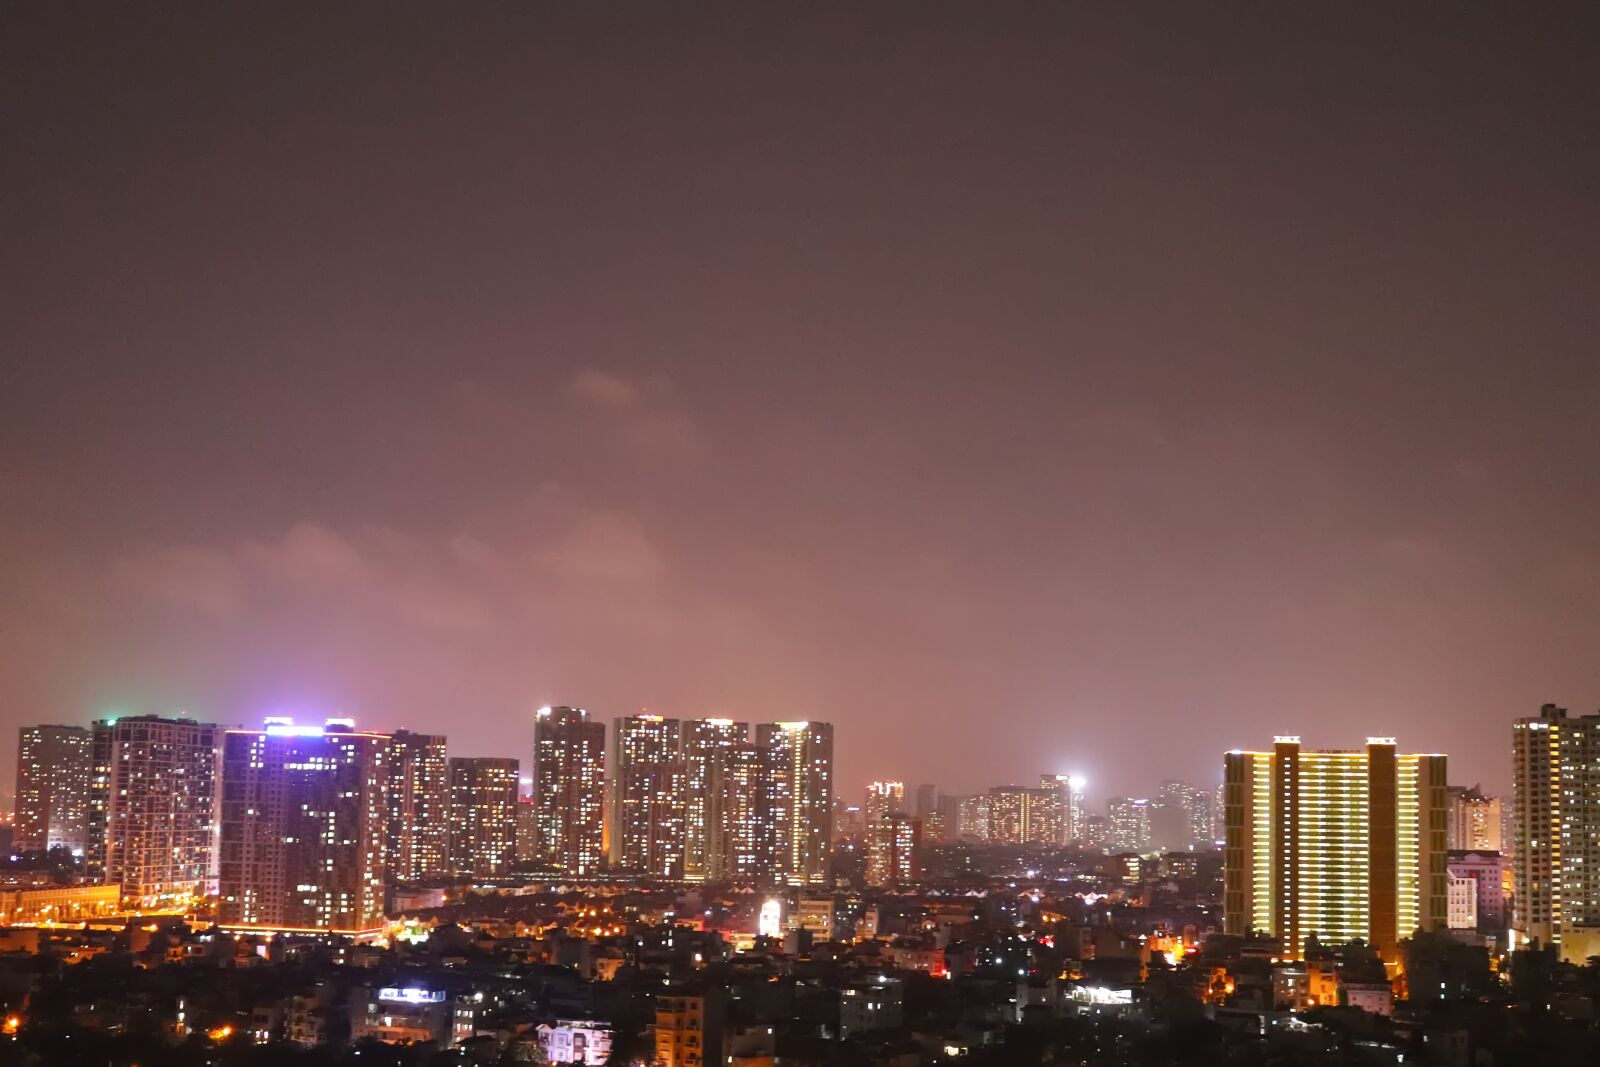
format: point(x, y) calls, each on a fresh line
point(410, 996)
point(284, 729)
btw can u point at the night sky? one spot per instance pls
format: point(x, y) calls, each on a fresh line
point(1021, 389)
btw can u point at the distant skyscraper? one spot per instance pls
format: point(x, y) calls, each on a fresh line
point(1182, 817)
point(483, 815)
point(302, 828)
point(1336, 844)
point(903, 865)
point(927, 801)
point(417, 820)
point(945, 823)
point(569, 788)
point(155, 806)
point(53, 772)
point(647, 795)
point(884, 799)
point(1474, 821)
point(1070, 786)
point(1129, 824)
point(527, 831)
point(972, 820)
point(705, 743)
point(742, 844)
point(1556, 851)
point(1022, 816)
point(1077, 810)
point(799, 798)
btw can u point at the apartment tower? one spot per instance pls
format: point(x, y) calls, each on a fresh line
point(1336, 845)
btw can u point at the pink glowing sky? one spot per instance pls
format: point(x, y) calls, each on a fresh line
point(1073, 390)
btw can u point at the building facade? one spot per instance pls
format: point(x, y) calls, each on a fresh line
point(648, 796)
point(1128, 824)
point(972, 817)
point(1072, 813)
point(1019, 815)
point(156, 796)
point(1184, 817)
point(1556, 854)
point(706, 743)
point(1336, 845)
point(417, 806)
point(1474, 820)
point(1537, 824)
point(53, 773)
point(799, 798)
point(569, 788)
point(1486, 872)
point(483, 815)
point(883, 800)
point(302, 834)
point(741, 844)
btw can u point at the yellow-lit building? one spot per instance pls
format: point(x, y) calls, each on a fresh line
point(59, 904)
point(688, 1031)
point(1335, 845)
point(1022, 816)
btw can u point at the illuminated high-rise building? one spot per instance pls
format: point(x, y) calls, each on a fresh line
point(972, 817)
point(527, 830)
point(154, 805)
point(903, 859)
point(417, 801)
point(1336, 845)
point(483, 815)
point(53, 774)
point(646, 832)
point(569, 789)
point(97, 803)
point(884, 799)
point(302, 835)
point(1019, 815)
point(1556, 839)
point(1128, 824)
point(1077, 809)
point(741, 845)
point(1182, 817)
point(1071, 788)
point(927, 800)
point(1537, 824)
point(799, 798)
point(1475, 821)
point(705, 743)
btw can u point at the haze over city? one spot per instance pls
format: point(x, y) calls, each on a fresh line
point(1069, 392)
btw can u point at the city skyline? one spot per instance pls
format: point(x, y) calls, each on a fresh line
point(1095, 789)
point(908, 534)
